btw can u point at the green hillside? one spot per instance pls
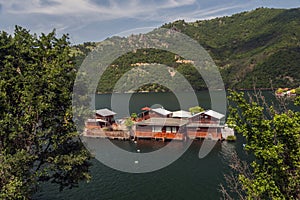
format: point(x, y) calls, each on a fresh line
point(258, 47)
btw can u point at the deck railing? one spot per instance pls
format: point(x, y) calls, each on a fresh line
point(163, 135)
point(198, 134)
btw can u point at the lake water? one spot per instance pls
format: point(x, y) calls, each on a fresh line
point(187, 178)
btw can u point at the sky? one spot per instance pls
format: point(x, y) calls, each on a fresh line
point(96, 20)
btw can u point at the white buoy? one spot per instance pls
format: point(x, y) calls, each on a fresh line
point(135, 142)
point(136, 162)
point(138, 151)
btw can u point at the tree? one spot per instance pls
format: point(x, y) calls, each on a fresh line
point(129, 123)
point(38, 139)
point(297, 91)
point(196, 109)
point(274, 140)
point(134, 116)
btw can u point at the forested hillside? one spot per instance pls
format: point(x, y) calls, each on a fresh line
point(259, 47)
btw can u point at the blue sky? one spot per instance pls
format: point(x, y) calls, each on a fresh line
point(95, 20)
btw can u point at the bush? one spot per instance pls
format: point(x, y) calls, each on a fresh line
point(231, 138)
point(196, 109)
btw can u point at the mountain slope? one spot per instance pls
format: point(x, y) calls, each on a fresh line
point(250, 46)
point(258, 48)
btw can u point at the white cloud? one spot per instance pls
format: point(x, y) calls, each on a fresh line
point(213, 12)
point(115, 9)
point(90, 18)
point(74, 15)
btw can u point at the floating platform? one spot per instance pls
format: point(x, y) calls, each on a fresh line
point(113, 135)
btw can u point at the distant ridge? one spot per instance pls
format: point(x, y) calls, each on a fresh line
point(260, 47)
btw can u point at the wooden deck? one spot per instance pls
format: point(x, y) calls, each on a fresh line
point(98, 133)
point(159, 135)
point(93, 126)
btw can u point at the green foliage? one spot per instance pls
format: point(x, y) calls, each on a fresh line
point(297, 91)
point(279, 90)
point(80, 51)
point(231, 138)
point(38, 139)
point(129, 123)
point(134, 116)
point(196, 109)
point(256, 47)
point(274, 141)
point(297, 101)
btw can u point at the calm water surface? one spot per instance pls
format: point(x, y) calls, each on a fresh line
point(187, 178)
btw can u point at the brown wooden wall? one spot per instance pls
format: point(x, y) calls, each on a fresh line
point(144, 128)
point(110, 119)
point(202, 119)
point(193, 132)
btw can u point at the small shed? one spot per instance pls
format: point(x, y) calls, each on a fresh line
point(106, 115)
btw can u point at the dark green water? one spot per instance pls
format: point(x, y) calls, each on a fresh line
point(187, 178)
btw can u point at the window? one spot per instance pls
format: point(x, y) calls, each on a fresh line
point(168, 130)
point(174, 130)
point(156, 128)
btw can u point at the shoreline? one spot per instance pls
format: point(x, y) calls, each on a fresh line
point(213, 90)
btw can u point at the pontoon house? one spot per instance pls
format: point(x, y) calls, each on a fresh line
point(161, 128)
point(205, 124)
point(106, 115)
point(103, 118)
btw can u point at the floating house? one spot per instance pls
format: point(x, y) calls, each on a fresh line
point(206, 124)
point(164, 124)
point(159, 123)
point(103, 125)
point(106, 115)
point(161, 128)
point(103, 118)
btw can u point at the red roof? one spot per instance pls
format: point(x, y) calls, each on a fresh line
point(146, 108)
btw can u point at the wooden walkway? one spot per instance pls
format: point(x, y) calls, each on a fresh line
point(98, 133)
point(125, 135)
point(159, 135)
